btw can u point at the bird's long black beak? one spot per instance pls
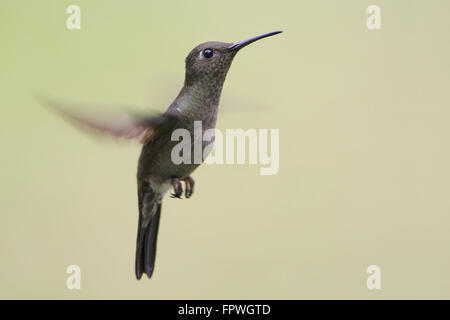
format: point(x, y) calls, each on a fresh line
point(239, 45)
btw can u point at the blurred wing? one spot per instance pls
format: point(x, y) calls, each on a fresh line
point(116, 123)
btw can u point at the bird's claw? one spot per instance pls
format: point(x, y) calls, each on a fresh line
point(177, 188)
point(189, 189)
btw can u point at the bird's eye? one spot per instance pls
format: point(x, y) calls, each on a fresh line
point(208, 53)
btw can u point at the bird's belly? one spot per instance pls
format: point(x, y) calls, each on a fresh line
point(170, 161)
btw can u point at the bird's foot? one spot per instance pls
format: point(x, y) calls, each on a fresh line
point(177, 188)
point(189, 189)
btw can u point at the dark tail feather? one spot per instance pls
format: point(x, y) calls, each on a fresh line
point(146, 244)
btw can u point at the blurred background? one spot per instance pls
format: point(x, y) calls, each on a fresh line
point(364, 151)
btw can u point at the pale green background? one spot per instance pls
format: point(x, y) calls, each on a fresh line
point(364, 151)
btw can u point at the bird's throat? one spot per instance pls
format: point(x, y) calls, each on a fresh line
point(199, 102)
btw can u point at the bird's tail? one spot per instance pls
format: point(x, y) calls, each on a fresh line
point(149, 214)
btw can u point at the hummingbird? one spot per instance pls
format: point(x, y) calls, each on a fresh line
point(206, 68)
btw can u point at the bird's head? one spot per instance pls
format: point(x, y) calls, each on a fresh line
point(208, 63)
